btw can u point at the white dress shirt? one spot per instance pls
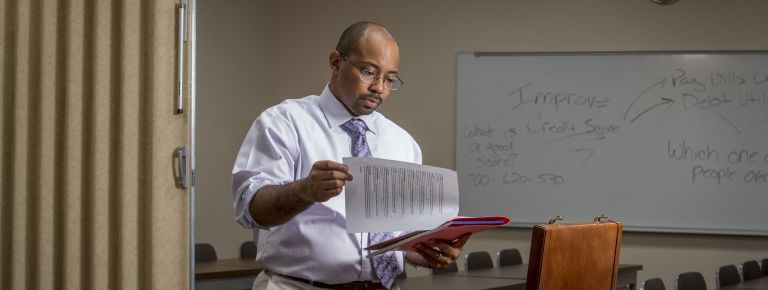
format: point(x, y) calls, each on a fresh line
point(281, 146)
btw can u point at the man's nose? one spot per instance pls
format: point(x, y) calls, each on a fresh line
point(377, 85)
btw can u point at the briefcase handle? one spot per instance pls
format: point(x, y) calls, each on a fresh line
point(598, 219)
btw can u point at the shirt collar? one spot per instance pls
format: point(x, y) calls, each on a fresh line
point(336, 113)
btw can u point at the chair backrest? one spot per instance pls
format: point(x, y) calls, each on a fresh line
point(450, 269)
point(509, 257)
point(402, 275)
point(751, 270)
point(654, 284)
point(479, 260)
point(623, 287)
point(691, 281)
point(204, 253)
point(765, 266)
point(728, 275)
point(248, 250)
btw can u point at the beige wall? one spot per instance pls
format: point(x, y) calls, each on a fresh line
point(253, 54)
point(234, 82)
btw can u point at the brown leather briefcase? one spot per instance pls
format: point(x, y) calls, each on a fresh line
point(580, 256)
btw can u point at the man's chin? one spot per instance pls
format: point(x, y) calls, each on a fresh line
point(364, 111)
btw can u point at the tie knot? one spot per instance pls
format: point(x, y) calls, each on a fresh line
point(355, 127)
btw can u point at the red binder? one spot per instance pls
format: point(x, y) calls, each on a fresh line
point(449, 231)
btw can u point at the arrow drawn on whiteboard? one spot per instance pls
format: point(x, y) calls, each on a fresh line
point(589, 151)
point(754, 124)
point(660, 83)
point(664, 101)
point(738, 130)
point(730, 123)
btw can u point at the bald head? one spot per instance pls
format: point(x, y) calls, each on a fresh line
point(365, 59)
point(349, 42)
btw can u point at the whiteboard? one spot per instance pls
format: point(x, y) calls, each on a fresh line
point(663, 142)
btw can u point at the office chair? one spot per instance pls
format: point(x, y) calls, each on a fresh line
point(751, 270)
point(248, 250)
point(764, 263)
point(509, 257)
point(204, 253)
point(728, 275)
point(402, 275)
point(479, 260)
point(654, 284)
point(691, 281)
point(450, 269)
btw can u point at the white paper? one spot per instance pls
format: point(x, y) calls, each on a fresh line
point(386, 195)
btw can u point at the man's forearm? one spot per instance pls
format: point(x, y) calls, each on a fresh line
point(274, 205)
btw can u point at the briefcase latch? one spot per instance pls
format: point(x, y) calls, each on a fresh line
point(600, 218)
point(554, 220)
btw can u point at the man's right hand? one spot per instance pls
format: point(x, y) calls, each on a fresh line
point(326, 179)
point(274, 205)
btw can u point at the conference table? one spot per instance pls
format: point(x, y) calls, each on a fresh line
point(442, 282)
point(225, 274)
point(239, 274)
point(627, 273)
point(754, 284)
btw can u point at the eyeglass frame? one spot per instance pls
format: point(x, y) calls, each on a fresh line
point(375, 75)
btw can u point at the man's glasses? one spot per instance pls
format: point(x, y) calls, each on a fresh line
point(391, 83)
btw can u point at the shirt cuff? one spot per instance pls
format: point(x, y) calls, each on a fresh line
point(243, 204)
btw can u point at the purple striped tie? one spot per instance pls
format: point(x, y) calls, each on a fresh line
point(385, 264)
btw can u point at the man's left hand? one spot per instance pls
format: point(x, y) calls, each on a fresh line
point(438, 254)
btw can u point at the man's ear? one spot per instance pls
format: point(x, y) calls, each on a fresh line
point(334, 60)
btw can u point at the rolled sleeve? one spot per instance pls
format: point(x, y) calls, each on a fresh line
point(265, 158)
point(243, 199)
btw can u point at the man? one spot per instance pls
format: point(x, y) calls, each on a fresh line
point(288, 180)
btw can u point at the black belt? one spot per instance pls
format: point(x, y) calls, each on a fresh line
point(355, 285)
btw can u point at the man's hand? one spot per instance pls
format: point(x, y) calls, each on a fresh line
point(326, 179)
point(274, 205)
point(438, 254)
